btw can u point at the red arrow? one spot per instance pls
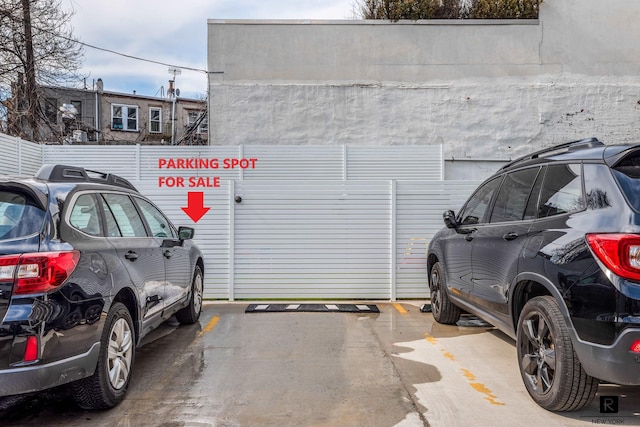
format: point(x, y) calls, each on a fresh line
point(195, 205)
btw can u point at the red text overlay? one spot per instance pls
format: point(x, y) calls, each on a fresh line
point(199, 164)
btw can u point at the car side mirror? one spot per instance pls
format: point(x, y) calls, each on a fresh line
point(449, 218)
point(185, 233)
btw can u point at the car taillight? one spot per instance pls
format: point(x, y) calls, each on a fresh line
point(635, 347)
point(620, 253)
point(39, 272)
point(31, 349)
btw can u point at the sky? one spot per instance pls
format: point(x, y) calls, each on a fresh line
point(170, 32)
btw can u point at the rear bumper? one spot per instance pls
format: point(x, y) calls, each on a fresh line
point(41, 377)
point(611, 363)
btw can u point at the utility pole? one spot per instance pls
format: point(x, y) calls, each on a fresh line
point(174, 93)
point(30, 76)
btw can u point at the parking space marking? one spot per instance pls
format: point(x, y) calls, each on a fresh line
point(400, 308)
point(448, 355)
point(481, 388)
point(431, 339)
point(477, 386)
point(209, 327)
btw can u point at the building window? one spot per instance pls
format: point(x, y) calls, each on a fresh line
point(204, 124)
point(199, 119)
point(124, 117)
point(78, 106)
point(155, 120)
point(51, 109)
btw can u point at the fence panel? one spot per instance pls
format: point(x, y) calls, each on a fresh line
point(314, 221)
point(312, 240)
point(398, 162)
point(19, 157)
point(121, 160)
point(419, 208)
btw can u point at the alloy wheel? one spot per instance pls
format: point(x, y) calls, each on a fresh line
point(120, 353)
point(197, 293)
point(435, 291)
point(538, 352)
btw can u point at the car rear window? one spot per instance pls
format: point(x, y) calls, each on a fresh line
point(627, 173)
point(19, 215)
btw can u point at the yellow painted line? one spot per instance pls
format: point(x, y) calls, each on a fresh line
point(212, 324)
point(481, 388)
point(467, 373)
point(448, 355)
point(430, 339)
point(400, 308)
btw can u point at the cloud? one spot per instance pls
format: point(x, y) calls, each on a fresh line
point(172, 32)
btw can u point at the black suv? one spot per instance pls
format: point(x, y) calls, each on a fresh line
point(548, 251)
point(88, 267)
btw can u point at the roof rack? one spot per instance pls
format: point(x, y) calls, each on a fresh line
point(63, 173)
point(580, 144)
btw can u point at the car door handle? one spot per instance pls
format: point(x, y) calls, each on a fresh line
point(131, 256)
point(167, 254)
point(510, 236)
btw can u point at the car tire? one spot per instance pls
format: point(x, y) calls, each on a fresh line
point(444, 311)
point(108, 384)
point(191, 313)
point(547, 360)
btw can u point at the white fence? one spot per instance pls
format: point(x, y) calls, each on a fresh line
point(313, 221)
point(18, 157)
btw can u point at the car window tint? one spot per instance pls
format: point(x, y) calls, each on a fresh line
point(159, 225)
point(475, 209)
point(561, 191)
point(19, 215)
point(513, 195)
point(129, 222)
point(627, 173)
point(84, 215)
point(112, 226)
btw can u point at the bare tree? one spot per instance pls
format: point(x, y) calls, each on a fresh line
point(37, 47)
point(395, 10)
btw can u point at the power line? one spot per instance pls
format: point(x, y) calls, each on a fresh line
point(141, 59)
point(137, 58)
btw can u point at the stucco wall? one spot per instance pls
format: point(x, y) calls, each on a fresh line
point(488, 91)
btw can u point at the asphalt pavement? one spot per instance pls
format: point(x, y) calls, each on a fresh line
point(393, 368)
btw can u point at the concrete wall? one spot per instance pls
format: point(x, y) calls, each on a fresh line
point(487, 90)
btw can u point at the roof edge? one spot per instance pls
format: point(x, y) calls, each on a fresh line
point(418, 22)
